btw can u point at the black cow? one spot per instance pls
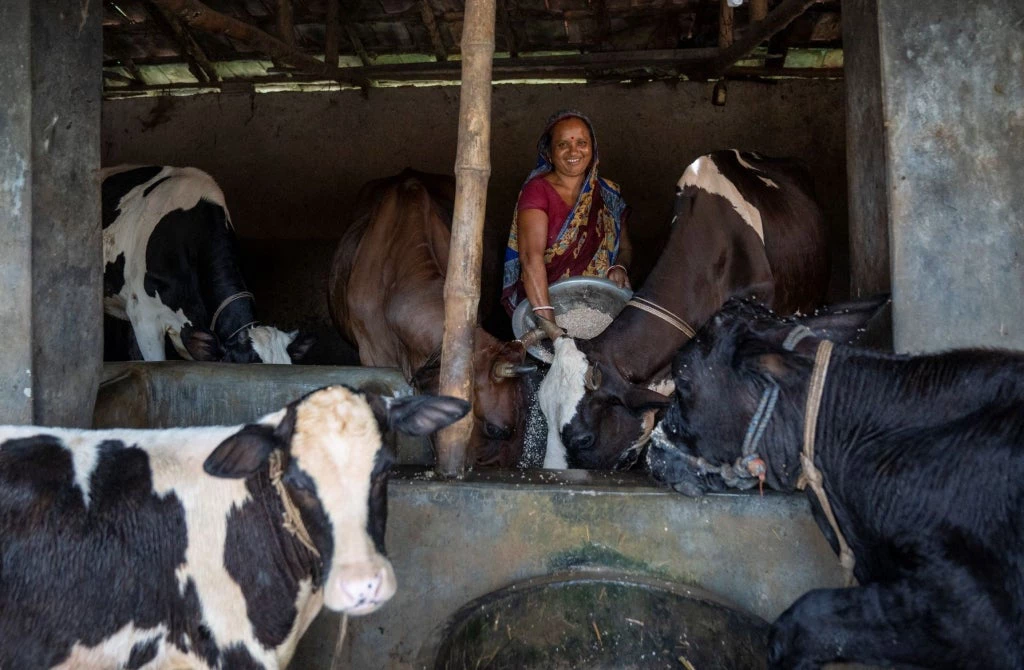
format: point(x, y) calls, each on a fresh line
point(744, 224)
point(921, 459)
point(197, 547)
point(171, 269)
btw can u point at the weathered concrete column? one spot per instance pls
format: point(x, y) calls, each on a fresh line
point(865, 150)
point(51, 254)
point(953, 94)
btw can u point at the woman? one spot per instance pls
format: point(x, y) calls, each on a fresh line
point(568, 221)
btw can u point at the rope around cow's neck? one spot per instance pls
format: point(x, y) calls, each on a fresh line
point(292, 519)
point(663, 314)
point(227, 301)
point(810, 475)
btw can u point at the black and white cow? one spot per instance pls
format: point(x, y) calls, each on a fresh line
point(743, 224)
point(197, 547)
point(171, 269)
point(922, 464)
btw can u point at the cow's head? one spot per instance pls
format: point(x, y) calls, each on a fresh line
point(598, 414)
point(738, 358)
point(258, 344)
point(499, 408)
point(335, 469)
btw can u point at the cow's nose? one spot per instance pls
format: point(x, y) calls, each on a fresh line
point(495, 432)
point(580, 441)
point(361, 592)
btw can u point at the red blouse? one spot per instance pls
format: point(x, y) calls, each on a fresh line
point(539, 194)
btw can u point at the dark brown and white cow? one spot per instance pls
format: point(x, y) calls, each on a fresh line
point(743, 224)
point(387, 297)
point(197, 547)
point(171, 269)
point(913, 466)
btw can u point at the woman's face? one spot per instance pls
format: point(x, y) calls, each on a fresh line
point(571, 148)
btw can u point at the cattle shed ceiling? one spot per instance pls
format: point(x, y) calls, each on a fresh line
point(167, 46)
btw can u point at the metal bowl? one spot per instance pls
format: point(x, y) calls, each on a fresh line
point(566, 294)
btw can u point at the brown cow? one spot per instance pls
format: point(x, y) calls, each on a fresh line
point(744, 224)
point(386, 295)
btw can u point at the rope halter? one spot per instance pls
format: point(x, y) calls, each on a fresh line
point(224, 303)
point(291, 518)
point(663, 314)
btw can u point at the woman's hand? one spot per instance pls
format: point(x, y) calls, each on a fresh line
point(617, 274)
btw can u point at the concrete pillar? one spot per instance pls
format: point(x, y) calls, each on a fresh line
point(865, 150)
point(953, 95)
point(51, 254)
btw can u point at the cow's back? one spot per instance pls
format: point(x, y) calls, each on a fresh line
point(794, 237)
point(386, 289)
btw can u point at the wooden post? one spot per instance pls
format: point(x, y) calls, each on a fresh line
point(758, 10)
point(462, 286)
point(333, 37)
point(286, 22)
point(724, 25)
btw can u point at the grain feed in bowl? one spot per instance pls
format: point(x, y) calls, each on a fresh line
point(583, 322)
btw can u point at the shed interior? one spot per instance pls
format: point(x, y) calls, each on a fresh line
point(291, 139)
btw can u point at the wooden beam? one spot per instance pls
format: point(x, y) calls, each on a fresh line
point(357, 44)
point(197, 15)
point(758, 11)
point(777, 21)
point(725, 19)
point(427, 13)
point(506, 26)
point(286, 22)
point(332, 39)
point(199, 64)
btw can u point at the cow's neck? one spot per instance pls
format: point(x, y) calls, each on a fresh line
point(222, 279)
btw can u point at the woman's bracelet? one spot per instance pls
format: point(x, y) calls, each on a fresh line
point(541, 308)
point(621, 267)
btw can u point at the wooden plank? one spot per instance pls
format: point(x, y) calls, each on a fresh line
point(758, 11)
point(430, 23)
point(776, 22)
point(199, 64)
point(286, 22)
point(725, 20)
point(332, 38)
point(197, 15)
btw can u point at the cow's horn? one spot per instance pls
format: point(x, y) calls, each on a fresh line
point(532, 337)
point(550, 328)
point(508, 370)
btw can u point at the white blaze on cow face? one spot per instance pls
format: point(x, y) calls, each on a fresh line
point(559, 394)
point(704, 174)
point(336, 441)
point(271, 344)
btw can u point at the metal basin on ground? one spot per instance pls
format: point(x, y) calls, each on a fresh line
point(185, 393)
point(566, 294)
point(580, 621)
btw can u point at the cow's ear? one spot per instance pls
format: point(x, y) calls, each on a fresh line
point(638, 399)
point(848, 321)
point(201, 344)
point(243, 453)
point(418, 414)
point(300, 345)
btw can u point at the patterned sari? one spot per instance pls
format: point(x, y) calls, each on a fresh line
point(588, 241)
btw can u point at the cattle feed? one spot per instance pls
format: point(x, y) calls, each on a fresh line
point(704, 174)
point(175, 552)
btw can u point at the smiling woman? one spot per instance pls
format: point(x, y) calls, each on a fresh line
point(568, 221)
